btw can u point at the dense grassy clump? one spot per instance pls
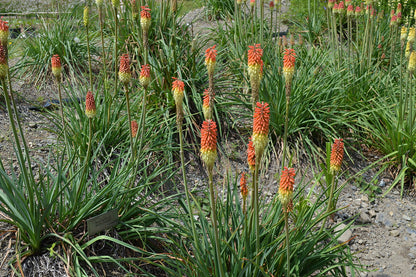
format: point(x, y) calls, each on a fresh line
point(151, 88)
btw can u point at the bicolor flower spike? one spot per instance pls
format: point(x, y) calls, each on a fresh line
point(210, 59)
point(209, 143)
point(287, 180)
point(144, 77)
point(3, 62)
point(56, 66)
point(178, 88)
point(145, 18)
point(289, 59)
point(124, 72)
point(337, 155)
point(4, 32)
point(255, 62)
point(261, 127)
point(90, 109)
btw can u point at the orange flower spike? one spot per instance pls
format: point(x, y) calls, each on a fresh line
point(243, 186)
point(178, 88)
point(209, 143)
point(252, 3)
point(255, 63)
point(261, 127)
point(90, 109)
point(3, 62)
point(287, 180)
point(4, 32)
point(210, 59)
point(144, 77)
point(145, 18)
point(56, 66)
point(337, 155)
point(124, 72)
point(134, 128)
point(205, 105)
point(251, 156)
point(289, 59)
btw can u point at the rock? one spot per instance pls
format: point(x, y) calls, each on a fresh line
point(395, 233)
point(364, 198)
point(345, 236)
point(382, 184)
point(372, 213)
point(33, 125)
point(407, 218)
point(357, 202)
point(364, 218)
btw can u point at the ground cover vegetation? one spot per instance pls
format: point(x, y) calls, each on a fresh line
point(146, 97)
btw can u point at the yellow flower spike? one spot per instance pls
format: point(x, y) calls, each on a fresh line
point(56, 67)
point(145, 18)
point(144, 77)
point(86, 15)
point(210, 59)
point(412, 62)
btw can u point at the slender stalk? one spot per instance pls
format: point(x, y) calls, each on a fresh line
point(133, 150)
point(89, 56)
point(142, 120)
point(392, 40)
point(62, 111)
point(287, 242)
point(330, 207)
point(115, 65)
point(187, 193)
point(103, 46)
point(340, 41)
point(256, 203)
point(286, 126)
point(214, 223)
point(261, 21)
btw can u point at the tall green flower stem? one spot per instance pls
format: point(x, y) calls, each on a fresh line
point(142, 119)
point(286, 214)
point(185, 183)
point(255, 203)
point(115, 65)
point(393, 43)
point(133, 148)
point(261, 21)
point(340, 40)
point(215, 223)
point(89, 56)
point(288, 89)
point(61, 105)
point(87, 158)
point(106, 96)
point(330, 207)
point(23, 167)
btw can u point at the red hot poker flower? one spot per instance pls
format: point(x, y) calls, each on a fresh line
point(124, 72)
point(261, 127)
point(4, 32)
point(337, 155)
point(145, 18)
point(56, 66)
point(209, 143)
point(90, 109)
point(144, 77)
point(287, 180)
point(243, 186)
point(134, 128)
point(210, 59)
